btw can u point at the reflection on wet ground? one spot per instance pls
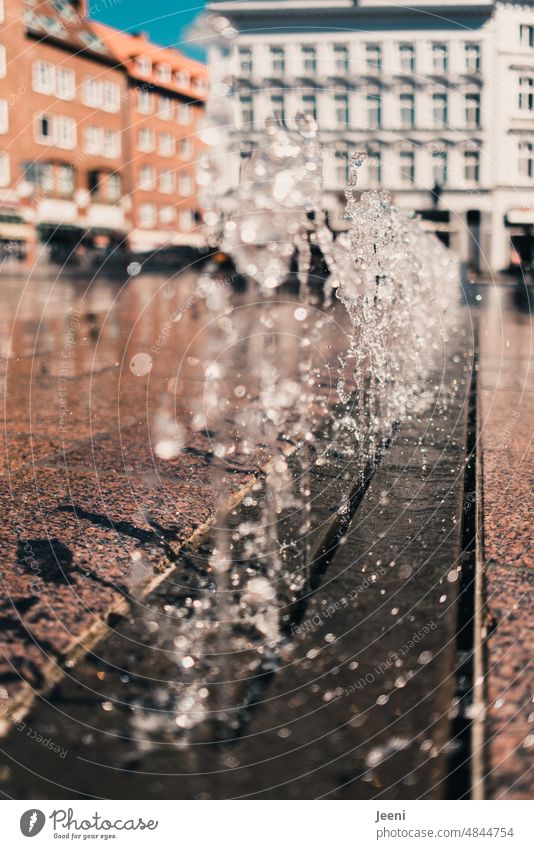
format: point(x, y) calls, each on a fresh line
point(99, 514)
point(335, 680)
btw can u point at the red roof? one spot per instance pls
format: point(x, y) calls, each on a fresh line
point(166, 67)
point(66, 22)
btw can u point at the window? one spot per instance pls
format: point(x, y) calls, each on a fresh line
point(144, 101)
point(373, 57)
point(182, 79)
point(278, 108)
point(65, 83)
point(167, 215)
point(407, 167)
point(341, 58)
point(525, 161)
point(89, 39)
point(278, 60)
point(145, 139)
point(186, 148)
point(113, 187)
point(526, 35)
point(407, 57)
point(440, 58)
point(186, 219)
point(472, 109)
point(45, 129)
point(341, 104)
point(439, 109)
point(143, 66)
point(166, 182)
point(526, 94)
point(147, 215)
point(65, 132)
point(471, 166)
point(165, 107)
point(105, 187)
point(439, 167)
point(65, 181)
point(245, 60)
point(472, 57)
point(3, 61)
point(112, 143)
point(374, 170)
point(407, 109)
point(4, 169)
point(4, 116)
point(92, 93)
point(184, 114)
point(342, 168)
point(39, 174)
point(65, 10)
point(94, 182)
point(374, 110)
point(93, 139)
point(111, 97)
point(166, 144)
point(147, 178)
point(309, 59)
point(163, 73)
point(247, 110)
point(309, 104)
point(185, 185)
point(43, 77)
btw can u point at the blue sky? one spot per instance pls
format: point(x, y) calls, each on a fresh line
point(165, 21)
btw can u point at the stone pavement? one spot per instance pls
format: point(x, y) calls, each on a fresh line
point(97, 553)
point(92, 515)
point(506, 424)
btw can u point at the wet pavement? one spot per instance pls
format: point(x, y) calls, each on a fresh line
point(105, 547)
point(90, 370)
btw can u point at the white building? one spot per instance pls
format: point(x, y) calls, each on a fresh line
point(440, 93)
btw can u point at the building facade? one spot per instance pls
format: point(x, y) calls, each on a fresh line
point(163, 110)
point(67, 136)
point(439, 94)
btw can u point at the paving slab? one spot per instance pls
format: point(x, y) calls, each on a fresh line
point(360, 684)
point(506, 425)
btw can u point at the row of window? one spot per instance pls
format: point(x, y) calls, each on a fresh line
point(53, 26)
point(164, 106)
point(150, 216)
point(166, 143)
point(59, 81)
point(407, 167)
point(340, 58)
point(343, 117)
point(58, 180)
point(60, 131)
point(149, 180)
point(165, 74)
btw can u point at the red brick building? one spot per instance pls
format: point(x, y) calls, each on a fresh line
point(75, 170)
point(162, 113)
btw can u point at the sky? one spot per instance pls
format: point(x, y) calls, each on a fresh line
point(165, 21)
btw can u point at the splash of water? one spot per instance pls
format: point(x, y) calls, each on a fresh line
point(398, 286)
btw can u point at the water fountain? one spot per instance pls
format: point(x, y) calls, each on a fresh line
point(398, 286)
